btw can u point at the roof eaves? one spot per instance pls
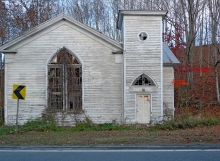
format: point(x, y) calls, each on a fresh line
point(118, 52)
point(34, 30)
point(168, 56)
point(170, 64)
point(9, 51)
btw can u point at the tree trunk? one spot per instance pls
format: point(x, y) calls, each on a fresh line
point(217, 85)
point(214, 14)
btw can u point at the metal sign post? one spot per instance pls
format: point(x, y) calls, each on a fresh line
point(16, 129)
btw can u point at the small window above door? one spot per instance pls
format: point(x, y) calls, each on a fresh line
point(143, 80)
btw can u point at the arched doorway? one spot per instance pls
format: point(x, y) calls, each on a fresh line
point(64, 81)
point(143, 99)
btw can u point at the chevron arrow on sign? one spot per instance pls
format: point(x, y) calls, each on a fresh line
point(19, 91)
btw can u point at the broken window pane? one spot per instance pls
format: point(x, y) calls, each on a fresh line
point(64, 81)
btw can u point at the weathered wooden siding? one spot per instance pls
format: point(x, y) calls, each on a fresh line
point(142, 57)
point(2, 78)
point(102, 77)
point(168, 91)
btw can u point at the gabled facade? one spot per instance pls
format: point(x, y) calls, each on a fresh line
point(73, 71)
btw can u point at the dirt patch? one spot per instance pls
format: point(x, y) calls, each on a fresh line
point(199, 135)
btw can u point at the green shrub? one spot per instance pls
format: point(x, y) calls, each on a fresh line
point(87, 124)
point(4, 130)
point(187, 122)
point(211, 121)
point(40, 124)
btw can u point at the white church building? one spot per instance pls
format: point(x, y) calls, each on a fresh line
point(73, 71)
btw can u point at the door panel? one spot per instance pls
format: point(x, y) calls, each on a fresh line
point(143, 108)
point(74, 86)
point(55, 86)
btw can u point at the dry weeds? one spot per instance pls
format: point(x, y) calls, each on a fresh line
point(199, 135)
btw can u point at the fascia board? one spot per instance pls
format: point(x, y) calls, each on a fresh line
point(9, 51)
point(143, 12)
point(170, 65)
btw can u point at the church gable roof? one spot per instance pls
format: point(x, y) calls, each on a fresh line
point(8, 47)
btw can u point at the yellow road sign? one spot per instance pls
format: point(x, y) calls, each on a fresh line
point(19, 91)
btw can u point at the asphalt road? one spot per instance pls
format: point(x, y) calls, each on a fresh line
point(110, 154)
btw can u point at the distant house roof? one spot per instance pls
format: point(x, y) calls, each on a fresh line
point(168, 57)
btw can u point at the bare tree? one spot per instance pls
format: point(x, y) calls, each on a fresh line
point(26, 14)
point(3, 23)
point(214, 10)
point(80, 10)
point(186, 13)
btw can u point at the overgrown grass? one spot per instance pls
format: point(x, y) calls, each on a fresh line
point(49, 124)
point(187, 122)
point(4, 130)
point(43, 125)
point(88, 125)
point(40, 124)
point(105, 126)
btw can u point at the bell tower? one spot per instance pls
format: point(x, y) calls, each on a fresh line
point(141, 32)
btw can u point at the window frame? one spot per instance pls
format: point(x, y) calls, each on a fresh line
point(69, 72)
point(143, 78)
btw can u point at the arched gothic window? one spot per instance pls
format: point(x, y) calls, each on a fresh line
point(64, 81)
point(143, 80)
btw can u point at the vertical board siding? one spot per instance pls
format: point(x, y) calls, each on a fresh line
point(102, 77)
point(142, 57)
point(168, 90)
